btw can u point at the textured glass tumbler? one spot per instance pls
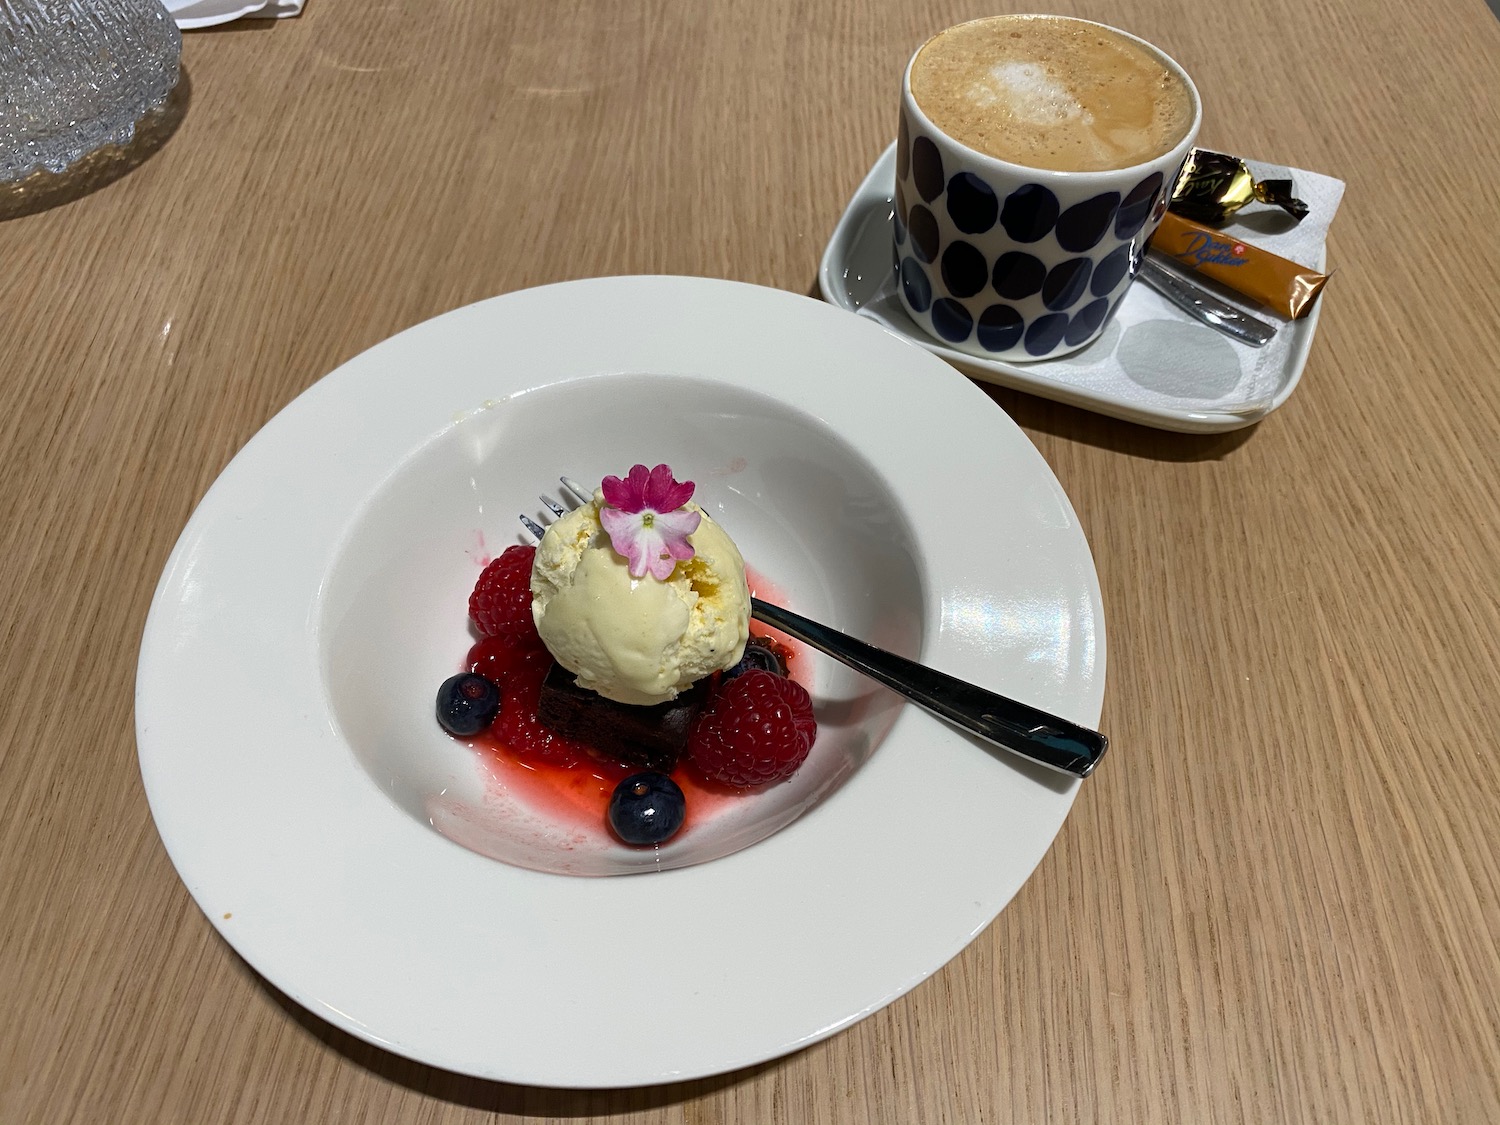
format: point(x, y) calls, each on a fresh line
point(76, 75)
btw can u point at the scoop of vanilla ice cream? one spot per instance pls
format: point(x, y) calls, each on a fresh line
point(638, 640)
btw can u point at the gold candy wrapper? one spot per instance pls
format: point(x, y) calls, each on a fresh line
point(1213, 186)
point(1264, 277)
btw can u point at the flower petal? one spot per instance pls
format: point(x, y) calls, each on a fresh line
point(679, 494)
point(617, 494)
point(661, 567)
point(646, 520)
point(655, 559)
point(674, 529)
point(629, 495)
point(629, 537)
point(663, 491)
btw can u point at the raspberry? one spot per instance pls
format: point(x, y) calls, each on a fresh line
point(520, 729)
point(757, 729)
point(495, 658)
point(501, 602)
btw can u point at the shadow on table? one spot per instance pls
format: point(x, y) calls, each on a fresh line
point(1076, 424)
point(491, 1096)
point(238, 27)
point(42, 190)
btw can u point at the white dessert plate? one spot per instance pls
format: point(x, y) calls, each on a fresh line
point(1167, 371)
point(342, 844)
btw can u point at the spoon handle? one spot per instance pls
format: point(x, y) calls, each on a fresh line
point(1018, 727)
point(1200, 303)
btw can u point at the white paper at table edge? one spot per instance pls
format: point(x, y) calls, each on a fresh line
point(228, 11)
point(193, 15)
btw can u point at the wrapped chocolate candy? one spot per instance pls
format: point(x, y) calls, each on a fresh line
point(1213, 186)
point(1264, 277)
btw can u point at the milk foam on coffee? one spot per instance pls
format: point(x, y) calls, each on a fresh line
point(1049, 92)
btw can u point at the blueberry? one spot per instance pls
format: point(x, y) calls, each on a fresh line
point(646, 808)
point(466, 704)
point(758, 654)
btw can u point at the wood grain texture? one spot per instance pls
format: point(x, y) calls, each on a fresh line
point(1278, 900)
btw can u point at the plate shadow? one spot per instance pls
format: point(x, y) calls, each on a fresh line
point(486, 1094)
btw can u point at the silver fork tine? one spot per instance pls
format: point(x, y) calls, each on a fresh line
point(576, 492)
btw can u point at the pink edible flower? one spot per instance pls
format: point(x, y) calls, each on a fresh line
point(646, 520)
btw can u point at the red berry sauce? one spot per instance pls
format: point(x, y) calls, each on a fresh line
point(578, 795)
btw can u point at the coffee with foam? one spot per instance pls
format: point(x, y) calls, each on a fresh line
point(1051, 92)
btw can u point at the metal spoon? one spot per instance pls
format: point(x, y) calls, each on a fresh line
point(1018, 727)
point(1199, 303)
point(1046, 739)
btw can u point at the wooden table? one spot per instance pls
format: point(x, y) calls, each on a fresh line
point(1278, 901)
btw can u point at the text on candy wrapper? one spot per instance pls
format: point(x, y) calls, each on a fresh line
point(1205, 249)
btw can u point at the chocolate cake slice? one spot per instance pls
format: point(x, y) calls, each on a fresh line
point(649, 737)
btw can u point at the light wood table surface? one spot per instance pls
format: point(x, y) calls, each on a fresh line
point(1277, 901)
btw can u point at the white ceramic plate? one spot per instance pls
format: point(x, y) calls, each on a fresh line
point(324, 575)
point(857, 262)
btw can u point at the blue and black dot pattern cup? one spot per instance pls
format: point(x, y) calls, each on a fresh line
point(1014, 263)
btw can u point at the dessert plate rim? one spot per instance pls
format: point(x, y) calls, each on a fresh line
point(378, 925)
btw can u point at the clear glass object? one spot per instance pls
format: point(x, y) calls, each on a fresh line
point(76, 75)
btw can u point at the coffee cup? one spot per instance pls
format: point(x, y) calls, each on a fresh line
point(1035, 157)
